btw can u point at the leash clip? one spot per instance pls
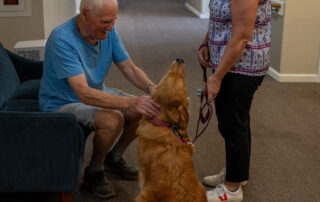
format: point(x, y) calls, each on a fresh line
point(175, 129)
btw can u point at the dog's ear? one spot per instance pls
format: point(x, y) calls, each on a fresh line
point(184, 116)
point(172, 114)
point(179, 115)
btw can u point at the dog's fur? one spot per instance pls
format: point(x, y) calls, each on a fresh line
point(166, 169)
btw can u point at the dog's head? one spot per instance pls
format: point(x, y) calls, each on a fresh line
point(171, 95)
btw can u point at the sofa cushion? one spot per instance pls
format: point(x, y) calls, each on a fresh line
point(39, 152)
point(28, 90)
point(26, 69)
point(21, 105)
point(9, 80)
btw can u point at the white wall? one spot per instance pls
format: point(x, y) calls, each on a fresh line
point(300, 44)
point(45, 15)
point(57, 12)
point(301, 37)
point(78, 6)
point(276, 41)
point(199, 7)
point(205, 7)
point(14, 29)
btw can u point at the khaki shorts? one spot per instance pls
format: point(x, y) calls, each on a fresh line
point(86, 114)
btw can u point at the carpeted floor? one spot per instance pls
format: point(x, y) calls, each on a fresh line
point(285, 160)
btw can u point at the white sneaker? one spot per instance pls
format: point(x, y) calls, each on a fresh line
point(215, 180)
point(221, 193)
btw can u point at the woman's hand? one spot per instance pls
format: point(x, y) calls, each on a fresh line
point(203, 56)
point(212, 88)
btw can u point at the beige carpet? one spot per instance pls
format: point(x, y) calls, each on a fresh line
point(285, 161)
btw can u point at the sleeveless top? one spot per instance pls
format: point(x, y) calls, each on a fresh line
point(254, 60)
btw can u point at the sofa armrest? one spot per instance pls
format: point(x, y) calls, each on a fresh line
point(27, 69)
point(40, 151)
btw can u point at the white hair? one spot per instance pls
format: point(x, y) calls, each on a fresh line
point(93, 5)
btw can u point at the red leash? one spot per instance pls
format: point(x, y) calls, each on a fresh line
point(173, 126)
point(207, 118)
point(204, 119)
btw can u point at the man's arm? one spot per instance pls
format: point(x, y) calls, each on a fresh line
point(90, 96)
point(135, 75)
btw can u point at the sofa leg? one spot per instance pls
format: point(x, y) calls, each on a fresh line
point(67, 196)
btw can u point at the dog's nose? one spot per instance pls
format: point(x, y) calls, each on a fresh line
point(179, 60)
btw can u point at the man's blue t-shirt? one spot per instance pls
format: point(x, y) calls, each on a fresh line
point(67, 54)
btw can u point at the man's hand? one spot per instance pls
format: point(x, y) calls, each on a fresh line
point(151, 89)
point(145, 105)
point(203, 56)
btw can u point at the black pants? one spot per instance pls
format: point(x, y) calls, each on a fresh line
point(233, 105)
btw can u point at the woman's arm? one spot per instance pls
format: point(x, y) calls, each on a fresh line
point(203, 53)
point(243, 14)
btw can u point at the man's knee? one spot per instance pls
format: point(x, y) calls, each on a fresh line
point(132, 116)
point(112, 120)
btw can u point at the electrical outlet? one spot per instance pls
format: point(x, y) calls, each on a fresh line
point(279, 11)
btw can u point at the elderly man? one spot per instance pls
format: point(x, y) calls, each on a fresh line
point(78, 56)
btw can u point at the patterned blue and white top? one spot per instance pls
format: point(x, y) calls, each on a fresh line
point(254, 60)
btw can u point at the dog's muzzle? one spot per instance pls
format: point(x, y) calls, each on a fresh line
point(179, 60)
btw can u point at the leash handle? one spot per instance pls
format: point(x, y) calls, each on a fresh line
point(205, 120)
point(204, 69)
point(205, 79)
point(206, 117)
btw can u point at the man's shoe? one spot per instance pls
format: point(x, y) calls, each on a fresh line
point(215, 180)
point(121, 168)
point(221, 193)
point(97, 184)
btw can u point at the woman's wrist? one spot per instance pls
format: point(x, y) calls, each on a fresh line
point(204, 43)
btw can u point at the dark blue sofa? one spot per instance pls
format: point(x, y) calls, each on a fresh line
point(39, 152)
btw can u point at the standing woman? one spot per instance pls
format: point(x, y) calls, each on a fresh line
point(236, 47)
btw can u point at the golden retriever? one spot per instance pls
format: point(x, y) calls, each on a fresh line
point(166, 169)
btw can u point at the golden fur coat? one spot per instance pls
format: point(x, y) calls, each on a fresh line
point(166, 169)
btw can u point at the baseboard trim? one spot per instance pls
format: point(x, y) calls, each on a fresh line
point(196, 12)
point(293, 77)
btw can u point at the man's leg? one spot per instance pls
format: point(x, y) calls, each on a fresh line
point(114, 160)
point(108, 124)
point(129, 131)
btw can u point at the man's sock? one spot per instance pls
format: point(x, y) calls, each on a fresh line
point(117, 152)
point(95, 167)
